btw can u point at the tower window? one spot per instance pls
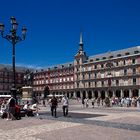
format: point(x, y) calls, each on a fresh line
point(117, 82)
point(95, 75)
point(134, 71)
point(102, 66)
point(95, 66)
point(102, 83)
point(88, 84)
point(124, 62)
point(134, 81)
point(89, 75)
point(83, 76)
point(133, 61)
point(95, 84)
point(125, 71)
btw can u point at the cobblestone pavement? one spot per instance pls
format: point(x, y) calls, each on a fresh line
point(81, 124)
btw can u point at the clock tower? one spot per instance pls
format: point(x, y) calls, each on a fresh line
point(80, 59)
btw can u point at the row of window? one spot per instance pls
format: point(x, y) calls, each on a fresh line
point(53, 74)
point(122, 72)
point(108, 83)
point(55, 80)
point(5, 87)
point(111, 56)
point(109, 64)
point(55, 87)
point(9, 74)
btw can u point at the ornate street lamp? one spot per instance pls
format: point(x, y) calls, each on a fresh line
point(13, 38)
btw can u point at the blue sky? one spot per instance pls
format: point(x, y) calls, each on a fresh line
point(54, 28)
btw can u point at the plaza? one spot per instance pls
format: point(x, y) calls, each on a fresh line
point(99, 123)
point(81, 58)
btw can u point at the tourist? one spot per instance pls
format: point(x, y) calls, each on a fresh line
point(65, 104)
point(83, 102)
point(11, 108)
point(86, 102)
point(93, 102)
point(54, 104)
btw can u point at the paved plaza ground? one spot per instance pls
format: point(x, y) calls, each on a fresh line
point(99, 123)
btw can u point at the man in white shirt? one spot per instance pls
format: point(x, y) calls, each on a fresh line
point(35, 108)
point(65, 104)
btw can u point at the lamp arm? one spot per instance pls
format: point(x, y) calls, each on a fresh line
point(7, 37)
point(18, 39)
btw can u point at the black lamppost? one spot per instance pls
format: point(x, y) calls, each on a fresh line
point(13, 38)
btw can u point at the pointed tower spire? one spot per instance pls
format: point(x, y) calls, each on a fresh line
point(81, 42)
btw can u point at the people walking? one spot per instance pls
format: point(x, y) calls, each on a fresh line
point(98, 101)
point(11, 108)
point(86, 102)
point(54, 104)
point(93, 102)
point(83, 102)
point(65, 105)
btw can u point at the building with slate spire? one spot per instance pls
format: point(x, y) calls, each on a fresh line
point(111, 74)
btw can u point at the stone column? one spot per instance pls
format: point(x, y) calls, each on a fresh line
point(106, 93)
point(99, 93)
point(81, 94)
point(93, 95)
point(74, 94)
point(122, 93)
point(113, 93)
point(130, 93)
point(86, 94)
point(139, 93)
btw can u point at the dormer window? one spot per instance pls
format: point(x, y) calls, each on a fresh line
point(135, 52)
point(127, 53)
point(124, 62)
point(133, 61)
point(118, 55)
point(102, 65)
point(97, 59)
point(104, 57)
point(111, 56)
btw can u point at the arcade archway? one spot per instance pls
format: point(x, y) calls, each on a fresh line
point(103, 94)
point(118, 93)
point(126, 93)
